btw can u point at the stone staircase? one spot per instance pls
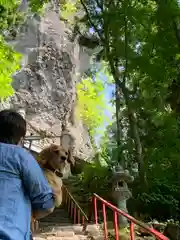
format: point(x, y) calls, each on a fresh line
point(57, 226)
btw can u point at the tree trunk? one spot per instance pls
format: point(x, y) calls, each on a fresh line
point(119, 126)
point(135, 135)
point(117, 101)
point(132, 120)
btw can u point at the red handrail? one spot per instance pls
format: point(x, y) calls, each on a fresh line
point(75, 211)
point(117, 212)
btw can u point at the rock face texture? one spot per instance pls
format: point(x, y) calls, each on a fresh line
point(46, 84)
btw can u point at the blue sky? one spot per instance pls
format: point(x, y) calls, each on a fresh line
point(108, 96)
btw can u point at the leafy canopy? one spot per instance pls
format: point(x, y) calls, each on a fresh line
point(92, 106)
point(10, 19)
point(68, 10)
point(9, 64)
point(9, 59)
point(140, 42)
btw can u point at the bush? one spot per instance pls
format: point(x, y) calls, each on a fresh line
point(159, 201)
point(97, 179)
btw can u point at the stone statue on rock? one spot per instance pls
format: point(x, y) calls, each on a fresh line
point(67, 141)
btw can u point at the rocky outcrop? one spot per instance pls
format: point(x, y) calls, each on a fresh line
point(172, 231)
point(46, 85)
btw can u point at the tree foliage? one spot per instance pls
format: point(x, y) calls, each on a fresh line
point(11, 18)
point(140, 42)
point(69, 10)
point(10, 60)
point(92, 106)
point(9, 65)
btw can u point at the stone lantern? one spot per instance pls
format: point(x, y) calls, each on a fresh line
point(121, 192)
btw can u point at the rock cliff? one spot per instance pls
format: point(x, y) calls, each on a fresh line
point(46, 84)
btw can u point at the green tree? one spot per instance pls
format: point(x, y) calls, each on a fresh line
point(9, 59)
point(9, 65)
point(135, 38)
point(140, 43)
point(10, 19)
point(92, 106)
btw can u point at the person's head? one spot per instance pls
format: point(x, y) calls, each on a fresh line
point(12, 127)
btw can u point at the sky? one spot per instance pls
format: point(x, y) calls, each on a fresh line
point(108, 96)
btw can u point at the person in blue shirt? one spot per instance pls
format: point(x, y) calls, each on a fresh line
point(23, 187)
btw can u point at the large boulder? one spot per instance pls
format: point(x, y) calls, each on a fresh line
point(45, 86)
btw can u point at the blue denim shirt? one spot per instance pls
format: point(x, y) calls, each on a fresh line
point(22, 187)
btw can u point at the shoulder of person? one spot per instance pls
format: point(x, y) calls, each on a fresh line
point(23, 153)
point(14, 149)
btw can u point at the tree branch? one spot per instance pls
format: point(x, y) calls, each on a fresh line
point(176, 30)
point(91, 22)
point(177, 33)
point(126, 45)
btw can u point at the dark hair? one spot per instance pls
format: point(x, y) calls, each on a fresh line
point(12, 127)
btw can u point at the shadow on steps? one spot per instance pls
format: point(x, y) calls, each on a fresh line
point(58, 218)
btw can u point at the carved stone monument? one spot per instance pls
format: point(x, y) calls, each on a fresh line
point(67, 141)
point(121, 192)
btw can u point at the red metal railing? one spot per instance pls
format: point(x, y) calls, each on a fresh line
point(117, 212)
point(75, 212)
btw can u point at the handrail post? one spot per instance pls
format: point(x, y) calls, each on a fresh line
point(95, 209)
point(79, 216)
point(116, 229)
point(105, 222)
point(132, 231)
point(75, 214)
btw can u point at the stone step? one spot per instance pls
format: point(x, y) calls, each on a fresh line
point(59, 216)
point(69, 232)
point(57, 226)
point(57, 238)
point(60, 235)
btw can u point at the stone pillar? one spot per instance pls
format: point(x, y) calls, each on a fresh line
point(120, 192)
